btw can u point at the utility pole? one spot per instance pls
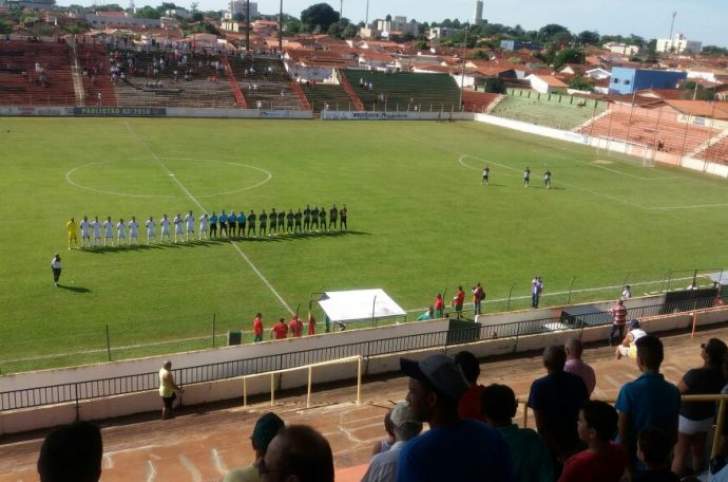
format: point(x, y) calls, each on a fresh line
point(247, 26)
point(341, 9)
point(367, 16)
point(462, 78)
point(280, 29)
point(672, 28)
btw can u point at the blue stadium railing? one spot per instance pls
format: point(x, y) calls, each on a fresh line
point(93, 389)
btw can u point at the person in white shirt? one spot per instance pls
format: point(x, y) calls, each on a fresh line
point(383, 467)
point(96, 226)
point(190, 220)
point(85, 232)
point(165, 228)
point(204, 224)
point(628, 348)
point(178, 231)
point(133, 231)
point(109, 231)
point(56, 268)
point(120, 232)
point(149, 224)
point(626, 292)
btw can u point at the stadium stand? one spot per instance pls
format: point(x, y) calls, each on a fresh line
point(35, 73)
point(551, 110)
point(94, 63)
point(404, 90)
point(716, 152)
point(479, 101)
point(149, 79)
point(265, 83)
point(657, 128)
point(322, 95)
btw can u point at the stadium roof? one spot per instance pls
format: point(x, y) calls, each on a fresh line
point(700, 108)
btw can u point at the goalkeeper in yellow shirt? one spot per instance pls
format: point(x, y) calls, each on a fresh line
point(72, 231)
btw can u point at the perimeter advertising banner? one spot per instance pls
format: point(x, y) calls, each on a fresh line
point(120, 111)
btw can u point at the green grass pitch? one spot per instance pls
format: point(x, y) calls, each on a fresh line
point(420, 221)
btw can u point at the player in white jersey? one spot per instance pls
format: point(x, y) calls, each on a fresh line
point(96, 226)
point(149, 224)
point(108, 231)
point(85, 232)
point(120, 232)
point(178, 228)
point(204, 224)
point(190, 220)
point(165, 228)
point(133, 231)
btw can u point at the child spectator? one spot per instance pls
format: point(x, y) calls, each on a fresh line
point(653, 450)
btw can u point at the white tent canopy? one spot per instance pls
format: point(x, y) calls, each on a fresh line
point(359, 305)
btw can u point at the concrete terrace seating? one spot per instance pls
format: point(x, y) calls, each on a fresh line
point(21, 84)
point(270, 95)
point(259, 68)
point(560, 111)
point(647, 127)
point(405, 91)
point(94, 64)
point(198, 82)
point(321, 95)
point(718, 152)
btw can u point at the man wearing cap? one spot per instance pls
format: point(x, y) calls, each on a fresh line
point(265, 429)
point(453, 449)
point(406, 426)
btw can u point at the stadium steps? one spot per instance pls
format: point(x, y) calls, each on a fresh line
point(707, 145)
point(76, 75)
point(323, 95)
point(296, 89)
point(583, 127)
point(95, 57)
point(556, 111)
point(482, 102)
point(234, 86)
point(346, 85)
point(405, 91)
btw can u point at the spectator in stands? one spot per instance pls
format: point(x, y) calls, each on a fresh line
point(535, 292)
point(576, 366)
point(626, 292)
point(619, 320)
point(654, 450)
point(696, 419)
point(406, 426)
point(71, 453)
point(436, 385)
point(647, 402)
point(386, 443)
point(530, 458)
point(603, 460)
point(167, 390)
point(427, 315)
point(628, 348)
point(298, 453)
point(439, 306)
point(470, 404)
point(556, 400)
point(265, 429)
point(478, 297)
point(458, 301)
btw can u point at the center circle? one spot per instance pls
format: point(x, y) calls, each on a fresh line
point(223, 177)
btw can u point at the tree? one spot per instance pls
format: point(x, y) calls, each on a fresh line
point(581, 83)
point(112, 7)
point(568, 56)
point(714, 50)
point(388, 18)
point(147, 12)
point(350, 31)
point(5, 27)
point(547, 33)
point(292, 26)
point(320, 15)
point(587, 37)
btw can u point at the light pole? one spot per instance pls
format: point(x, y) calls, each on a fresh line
point(280, 29)
point(462, 77)
point(247, 26)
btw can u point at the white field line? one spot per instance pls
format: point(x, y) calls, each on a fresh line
point(194, 199)
point(191, 468)
point(219, 463)
point(151, 471)
point(73, 183)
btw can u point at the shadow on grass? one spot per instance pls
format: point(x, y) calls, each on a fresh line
point(273, 238)
point(74, 289)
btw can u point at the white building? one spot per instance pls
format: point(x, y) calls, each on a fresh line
point(478, 12)
point(399, 24)
point(439, 32)
point(678, 45)
point(544, 84)
point(622, 49)
point(239, 7)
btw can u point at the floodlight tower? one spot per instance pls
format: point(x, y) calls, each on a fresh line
point(341, 9)
point(280, 29)
point(367, 16)
point(672, 28)
point(247, 26)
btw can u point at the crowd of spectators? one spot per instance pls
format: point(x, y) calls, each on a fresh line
point(646, 436)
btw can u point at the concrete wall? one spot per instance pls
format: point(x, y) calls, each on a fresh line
point(31, 419)
point(61, 111)
point(347, 115)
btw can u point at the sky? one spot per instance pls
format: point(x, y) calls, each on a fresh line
point(702, 20)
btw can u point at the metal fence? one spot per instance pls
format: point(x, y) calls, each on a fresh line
point(94, 389)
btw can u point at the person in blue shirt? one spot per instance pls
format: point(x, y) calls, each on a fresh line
point(213, 225)
point(453, 450)
point(241, 224)
point(223, 220)
point(649, 402)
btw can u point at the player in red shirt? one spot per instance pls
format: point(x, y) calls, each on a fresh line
point(458, 301)
point(295, 326)
point(280, 330)
point(258, 327)
point(439, 306)
point(311, 324)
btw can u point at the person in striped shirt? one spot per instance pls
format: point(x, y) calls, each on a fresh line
point(619, 320)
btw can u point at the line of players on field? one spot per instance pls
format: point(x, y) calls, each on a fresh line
point(214, 226)
point(526, 177)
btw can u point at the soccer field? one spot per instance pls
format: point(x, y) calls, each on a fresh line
point(419, 222)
